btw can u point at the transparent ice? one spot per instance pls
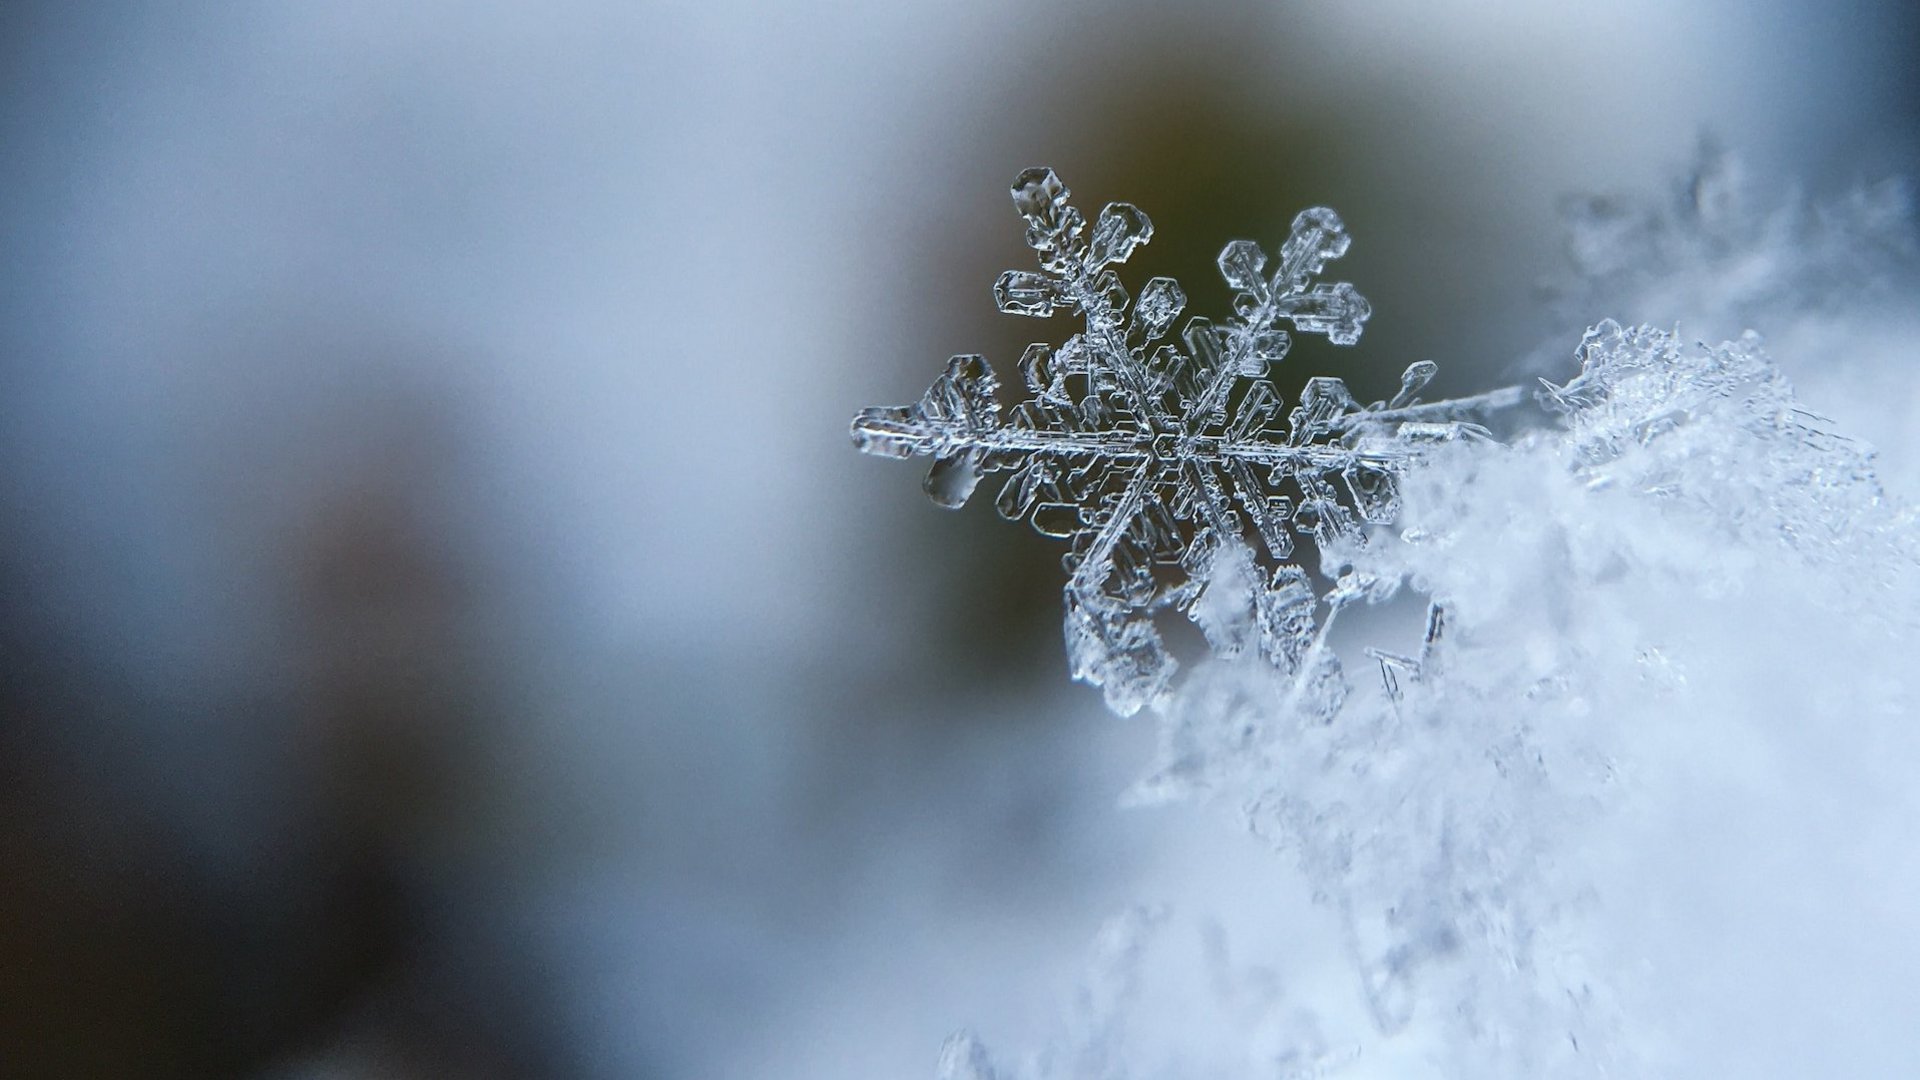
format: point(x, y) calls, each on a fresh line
point(1163, 462)
point(1632, 799)
point(1501, 835)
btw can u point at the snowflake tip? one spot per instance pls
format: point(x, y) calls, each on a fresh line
point(1241, 263)
point(1317, 237)
point(1121, 228)
point(1039, 192)
point(1052, 225)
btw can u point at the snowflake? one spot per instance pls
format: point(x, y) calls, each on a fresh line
point(1155, 459)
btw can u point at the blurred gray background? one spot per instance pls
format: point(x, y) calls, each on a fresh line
point(447, 632)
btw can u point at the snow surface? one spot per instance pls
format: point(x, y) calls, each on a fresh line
point(1637, 801)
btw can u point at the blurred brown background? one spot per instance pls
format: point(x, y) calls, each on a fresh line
point(446, 631)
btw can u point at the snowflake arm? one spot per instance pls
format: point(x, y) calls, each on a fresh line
point(1154, 459)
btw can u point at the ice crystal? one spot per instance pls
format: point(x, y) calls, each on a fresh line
point(1828, 275)
point(1595, 577)
point(1659, 712)
point(1735, 447)
point(1160, 461)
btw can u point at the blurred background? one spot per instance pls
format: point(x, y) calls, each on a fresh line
point(446, 630)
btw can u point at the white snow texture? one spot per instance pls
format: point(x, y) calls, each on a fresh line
point(1640, 802)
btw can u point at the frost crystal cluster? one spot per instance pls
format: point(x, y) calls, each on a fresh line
point(1637, 799)
point(1160, 461)
point(1609, 581)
